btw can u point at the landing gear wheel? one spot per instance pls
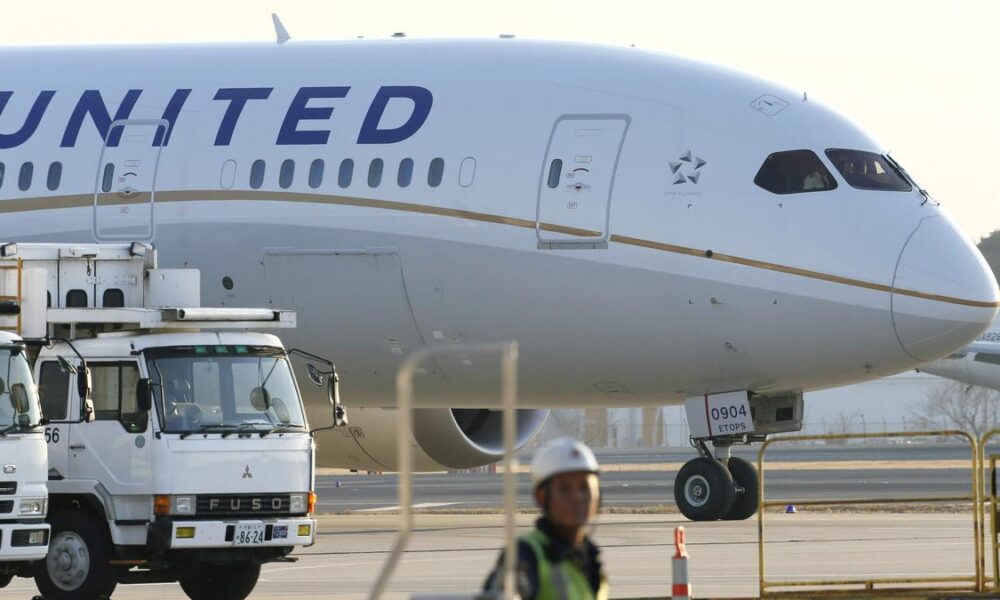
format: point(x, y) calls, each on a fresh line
point(5, 579)
point(745, 476)
point(77, 565)
point(221, 582)
point(703, 489)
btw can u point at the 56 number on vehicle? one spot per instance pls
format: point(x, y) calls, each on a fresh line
point(52, 435)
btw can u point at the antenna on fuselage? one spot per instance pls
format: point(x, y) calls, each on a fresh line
point(279, 29)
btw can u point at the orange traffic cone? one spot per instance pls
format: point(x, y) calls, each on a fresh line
point(681, 589)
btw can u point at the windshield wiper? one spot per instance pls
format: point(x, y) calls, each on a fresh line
point(281, 428)
point(21, 426)
point(208, 428)
point(240, 428)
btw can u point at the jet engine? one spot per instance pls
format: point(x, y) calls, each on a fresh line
point(442, 438)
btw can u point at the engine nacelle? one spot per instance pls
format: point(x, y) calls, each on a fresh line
point(442, 438)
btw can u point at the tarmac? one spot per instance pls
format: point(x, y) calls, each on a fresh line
point(453, 549)
point(453, 553)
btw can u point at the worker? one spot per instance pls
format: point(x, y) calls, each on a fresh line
point(557, 561)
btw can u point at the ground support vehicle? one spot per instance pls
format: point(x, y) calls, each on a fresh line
point(177, 441)
point(24, 534)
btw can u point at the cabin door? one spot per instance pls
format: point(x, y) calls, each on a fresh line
point(577, 179)
point(125, 190)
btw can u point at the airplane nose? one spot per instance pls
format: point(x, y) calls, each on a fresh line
point(944, 293)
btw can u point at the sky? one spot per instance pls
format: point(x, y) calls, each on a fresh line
point(921, 76)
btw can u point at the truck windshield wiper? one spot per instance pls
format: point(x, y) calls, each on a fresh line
point(207, 428)
point(8, 429)
point(280, 429)
point(240, 428)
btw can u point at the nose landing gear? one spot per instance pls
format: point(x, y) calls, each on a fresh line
point(709, 488)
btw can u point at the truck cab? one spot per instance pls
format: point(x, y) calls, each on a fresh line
point(178, 446)
point(197, 465)
point(24, 534)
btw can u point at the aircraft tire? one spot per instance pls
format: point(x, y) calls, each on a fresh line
point(221, 582)
point(745, 476)
point(704, 490)
point(77, 566)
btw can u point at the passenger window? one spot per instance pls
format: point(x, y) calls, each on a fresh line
point(555, 171)
point(346, 173)
point(113, 392)
point(316, 173)
point(405, 174)
point(109, 175)
point(287, 174)
point(55, 176)
point(868, 170)
point(794, 172)
point(24, 180)
point(257, 174)
point(53, 391)
point(467, 172)
point(375, 173)
point(436, 172)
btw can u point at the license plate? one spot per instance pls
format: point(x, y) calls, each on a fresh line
point(248, 534)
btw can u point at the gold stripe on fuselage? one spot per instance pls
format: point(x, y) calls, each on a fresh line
point(84, 200)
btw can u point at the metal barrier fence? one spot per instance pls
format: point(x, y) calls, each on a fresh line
point(989, 500)
point(508, 352)
point(972, 583)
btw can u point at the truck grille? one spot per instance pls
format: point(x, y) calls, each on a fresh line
point(6, 507)
point(8, 488)
point(238, 505)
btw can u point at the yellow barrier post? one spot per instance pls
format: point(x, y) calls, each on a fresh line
point(975, 583)
point(992, 501)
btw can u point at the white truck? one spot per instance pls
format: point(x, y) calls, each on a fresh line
point(24, 534)
point(177, 441)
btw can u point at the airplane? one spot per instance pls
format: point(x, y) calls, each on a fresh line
point(649, 228)
point(976, 364)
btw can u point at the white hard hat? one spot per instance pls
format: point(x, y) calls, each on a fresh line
point(564, 455)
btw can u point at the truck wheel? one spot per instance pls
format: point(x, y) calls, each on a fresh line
point(5, 579)
point(221, 582)
point(77, 565)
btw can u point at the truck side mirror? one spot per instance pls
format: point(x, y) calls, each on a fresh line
point(87, 414)
point(19, 398)
point(333, 391)
point(314, 374)
point(144, 395)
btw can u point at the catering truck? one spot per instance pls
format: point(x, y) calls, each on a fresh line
point(178, 447)
point(24, 534)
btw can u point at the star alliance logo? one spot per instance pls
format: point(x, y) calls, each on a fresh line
point(687, 168)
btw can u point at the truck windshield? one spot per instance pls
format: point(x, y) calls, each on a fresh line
point(224, 388)
point(18, 398)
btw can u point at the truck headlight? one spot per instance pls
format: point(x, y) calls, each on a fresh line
point(184, 505)
point(164, 506)
point(297, 504)
point(34, 507)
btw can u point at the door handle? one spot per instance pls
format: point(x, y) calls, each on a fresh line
point(77, 447)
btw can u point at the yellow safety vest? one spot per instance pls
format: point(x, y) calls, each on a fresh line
point(562, 580)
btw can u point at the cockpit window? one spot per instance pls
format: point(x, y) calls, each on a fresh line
point(794, 172)
point(868, 171)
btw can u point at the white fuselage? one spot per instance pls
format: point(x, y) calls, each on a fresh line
point(976, 364)
point(623, 285)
